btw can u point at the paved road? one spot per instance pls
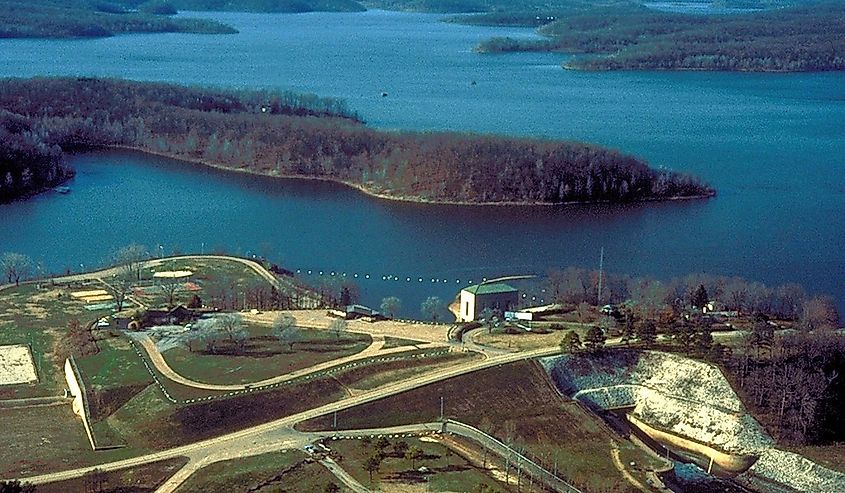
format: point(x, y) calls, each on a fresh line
point(279, 433)
point(374, 349)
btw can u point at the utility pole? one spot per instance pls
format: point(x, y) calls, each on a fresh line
point(601, 274)
point(334, 420)
point(441, 408)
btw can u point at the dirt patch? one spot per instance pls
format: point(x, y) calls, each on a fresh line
point(16, 365)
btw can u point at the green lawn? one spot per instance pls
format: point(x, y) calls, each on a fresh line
point(45, 439)
point(391, 342)
point(373, 376)
point(212, 276)
point(263, 356)
point(273, 472)
point(448, 470)
point(37, 317)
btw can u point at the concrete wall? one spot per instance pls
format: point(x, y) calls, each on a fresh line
point(80, 403)
point(729, 462)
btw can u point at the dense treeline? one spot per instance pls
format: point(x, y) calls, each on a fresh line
point(805, 38)
point(792, 383)
point(29, 160)
point(82, 19)
point(667, 300)
point(468, 6)
point(288, 6)
point(264, 134)
point(786, 367)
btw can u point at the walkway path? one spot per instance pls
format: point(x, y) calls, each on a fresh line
point(342, 475)
point(278, 434)
point(376, 348)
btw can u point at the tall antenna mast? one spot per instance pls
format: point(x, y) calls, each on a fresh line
point(601, 273)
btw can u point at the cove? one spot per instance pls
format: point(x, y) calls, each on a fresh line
point(771, 144)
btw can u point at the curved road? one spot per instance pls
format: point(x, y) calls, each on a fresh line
point(376, 348)
point(279, 434)
point(274, 435)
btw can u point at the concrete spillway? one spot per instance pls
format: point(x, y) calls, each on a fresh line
point(690, 405)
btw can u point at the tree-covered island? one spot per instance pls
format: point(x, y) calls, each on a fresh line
point(95, 19)
point(289, 135)
point(801, 38)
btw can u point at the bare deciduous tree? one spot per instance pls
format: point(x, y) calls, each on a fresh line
point(131, 258)
point(284, 328)
point(16, 266)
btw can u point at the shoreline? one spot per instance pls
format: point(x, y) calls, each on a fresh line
point(397, 198)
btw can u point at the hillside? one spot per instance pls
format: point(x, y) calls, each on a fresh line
point(693, 402)
point(278, 6)
point(305, 136)
point(80, 19)
point(802, 38)
point(517, 404)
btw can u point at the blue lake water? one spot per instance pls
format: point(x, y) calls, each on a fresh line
point(772, 144)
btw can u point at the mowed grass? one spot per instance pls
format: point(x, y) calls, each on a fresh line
point(151, 422)
point(374, 376)
point(448, 471)
point(274, 472)
point(209, 274)
point(515, 402)
point(46, 439)
point(112, 376)
point(391, 342)
point(263, 356)
point(37, 318)
point(141, 479)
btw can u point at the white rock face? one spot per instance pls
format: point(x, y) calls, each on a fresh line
point(690, 399)
point(796, 472)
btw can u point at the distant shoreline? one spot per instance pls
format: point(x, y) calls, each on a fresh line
point(396, 198)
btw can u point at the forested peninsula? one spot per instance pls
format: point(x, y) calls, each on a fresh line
point(284, 134)
point(632, 37)
point(83, 19)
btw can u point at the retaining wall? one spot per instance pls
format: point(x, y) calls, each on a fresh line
point(80, 399)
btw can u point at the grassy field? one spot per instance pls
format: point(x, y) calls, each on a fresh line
point(515, 402)
point(141, 479)
point(37, 317)
point(47, 439)
point(112, 376)
point(448, 470)
point(526, 341)
point(151, 422)
point(273, 472)
point(211, 275)
point(391, 342)
point(263, 356)
point(373, 376)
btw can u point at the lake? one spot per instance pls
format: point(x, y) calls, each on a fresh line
point(772, 144)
